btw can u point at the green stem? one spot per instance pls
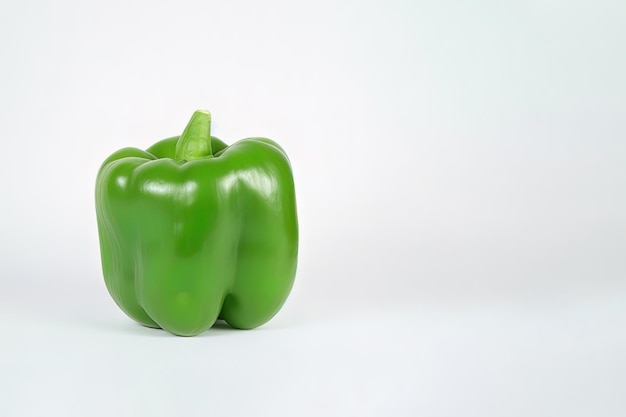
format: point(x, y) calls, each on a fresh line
point(195, 142)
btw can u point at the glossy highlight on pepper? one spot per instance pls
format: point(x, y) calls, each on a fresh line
point(192, 230)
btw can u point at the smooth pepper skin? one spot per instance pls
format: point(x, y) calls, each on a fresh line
point(192, 230)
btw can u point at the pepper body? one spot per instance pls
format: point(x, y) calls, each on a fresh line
point(187, 241)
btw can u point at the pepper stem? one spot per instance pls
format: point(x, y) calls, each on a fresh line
point(195, 142)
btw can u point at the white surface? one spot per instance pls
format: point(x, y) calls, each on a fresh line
point(492, 360)
point(460, 174)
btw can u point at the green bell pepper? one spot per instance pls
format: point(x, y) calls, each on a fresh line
point(192, 230)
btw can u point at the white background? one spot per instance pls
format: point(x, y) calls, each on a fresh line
point(460, 174)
